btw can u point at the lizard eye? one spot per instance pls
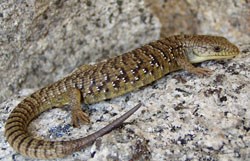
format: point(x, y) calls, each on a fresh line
point(217, 49)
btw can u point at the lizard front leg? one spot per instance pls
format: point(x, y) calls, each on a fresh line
point(185, 64)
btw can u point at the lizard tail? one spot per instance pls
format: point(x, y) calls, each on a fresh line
point(18, 136)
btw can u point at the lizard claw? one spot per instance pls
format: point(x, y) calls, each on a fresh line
point(201, 71)
point(78, 116)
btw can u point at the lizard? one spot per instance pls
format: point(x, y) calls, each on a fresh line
point(107, 79)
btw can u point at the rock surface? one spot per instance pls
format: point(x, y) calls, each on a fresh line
point(42, 40)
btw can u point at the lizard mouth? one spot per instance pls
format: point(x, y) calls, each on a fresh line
point(219, 57)
point(197, 58)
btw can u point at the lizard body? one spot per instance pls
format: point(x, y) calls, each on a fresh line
point(108, 79)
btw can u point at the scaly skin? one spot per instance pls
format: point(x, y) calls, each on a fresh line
point(108, 79)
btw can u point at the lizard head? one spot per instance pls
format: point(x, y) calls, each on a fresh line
point(207, 47)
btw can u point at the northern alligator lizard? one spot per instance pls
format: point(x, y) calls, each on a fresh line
point(108, 79)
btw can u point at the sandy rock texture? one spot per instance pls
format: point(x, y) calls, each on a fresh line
point(184, 117)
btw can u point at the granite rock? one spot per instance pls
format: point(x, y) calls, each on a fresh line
point(184, 117)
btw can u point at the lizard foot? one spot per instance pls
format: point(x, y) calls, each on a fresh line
point(78, 116)
point(201, 71)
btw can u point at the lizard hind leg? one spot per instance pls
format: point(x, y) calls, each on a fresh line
point(78, 116)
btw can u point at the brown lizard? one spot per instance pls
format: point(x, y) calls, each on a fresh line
point(108, 79)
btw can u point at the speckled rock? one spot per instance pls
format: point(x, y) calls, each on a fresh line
point(184, 117)
point(224, 17)
point(43, 40)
